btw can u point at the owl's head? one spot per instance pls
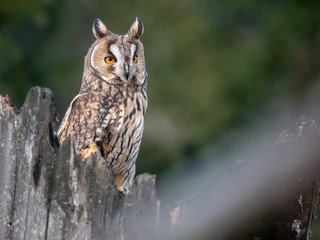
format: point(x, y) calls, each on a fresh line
point(118, 59)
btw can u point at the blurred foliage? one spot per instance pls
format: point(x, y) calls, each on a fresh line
point(211, 64)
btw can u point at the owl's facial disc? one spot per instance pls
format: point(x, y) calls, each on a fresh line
point(119, 60)
point(126, 60)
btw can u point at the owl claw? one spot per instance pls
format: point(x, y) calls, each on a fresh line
point(121, 190)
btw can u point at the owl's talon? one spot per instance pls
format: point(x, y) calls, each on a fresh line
point(122, 191)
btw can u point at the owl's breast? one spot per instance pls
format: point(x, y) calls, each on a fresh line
point(121, 149)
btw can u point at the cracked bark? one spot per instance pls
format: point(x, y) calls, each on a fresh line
point(47, 192)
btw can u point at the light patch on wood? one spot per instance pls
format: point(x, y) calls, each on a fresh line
point(175, 217)
point(86, 152)
point(296, 226)
point(154, 176)
point(6, 103)
point(158, 213)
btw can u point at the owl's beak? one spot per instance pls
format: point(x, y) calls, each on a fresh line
point(126, 70)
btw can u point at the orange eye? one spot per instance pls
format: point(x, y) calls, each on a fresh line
point(135, 59)
point(109, 60)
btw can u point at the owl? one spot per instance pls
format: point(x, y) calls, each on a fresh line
point(108, 113)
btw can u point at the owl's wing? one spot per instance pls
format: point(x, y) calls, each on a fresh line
point(90, 117)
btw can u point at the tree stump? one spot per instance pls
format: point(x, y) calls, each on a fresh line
point(47, 192)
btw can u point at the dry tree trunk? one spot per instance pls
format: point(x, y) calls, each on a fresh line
point(47, 192)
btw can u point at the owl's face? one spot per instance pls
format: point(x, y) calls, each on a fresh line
point(118, 59)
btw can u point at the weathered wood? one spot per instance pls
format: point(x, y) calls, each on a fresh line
point(87, 205)
point(298, 146)
point(27, 157)
point(276, 196)
point(47, 192)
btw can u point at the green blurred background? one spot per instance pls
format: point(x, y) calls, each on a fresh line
point(212, 65)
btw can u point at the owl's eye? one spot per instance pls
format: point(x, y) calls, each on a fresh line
point(135, 59)
point(109, 60)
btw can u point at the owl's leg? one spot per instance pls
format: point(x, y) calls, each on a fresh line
point(123, 180)
point(91, 149)
point(118, 180)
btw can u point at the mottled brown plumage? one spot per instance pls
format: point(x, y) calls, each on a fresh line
point(108, 113)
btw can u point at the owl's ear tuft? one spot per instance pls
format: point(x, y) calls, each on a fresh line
point(136, 29)
point(99, 29)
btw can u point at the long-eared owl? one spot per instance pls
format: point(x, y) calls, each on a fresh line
point(108, 113)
